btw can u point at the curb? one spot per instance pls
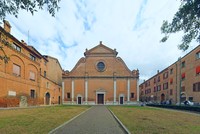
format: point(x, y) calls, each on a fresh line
point(53, 131)
point(120, 123)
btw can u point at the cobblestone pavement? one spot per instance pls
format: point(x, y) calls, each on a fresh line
point(97, 120)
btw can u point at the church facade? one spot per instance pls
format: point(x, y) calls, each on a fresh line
point(100, 78)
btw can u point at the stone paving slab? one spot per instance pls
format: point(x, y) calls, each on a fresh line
point(97, 120)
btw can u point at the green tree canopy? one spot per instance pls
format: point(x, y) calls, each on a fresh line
point(186, 19)
point(12, 7)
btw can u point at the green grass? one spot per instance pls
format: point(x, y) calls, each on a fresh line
point(36, 120)
point(145, 120)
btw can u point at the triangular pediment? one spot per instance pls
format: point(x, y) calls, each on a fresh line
point(101, 50)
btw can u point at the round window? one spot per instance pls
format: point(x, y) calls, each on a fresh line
point(101, 66)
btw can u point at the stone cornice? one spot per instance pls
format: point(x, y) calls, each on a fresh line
point(99, 77)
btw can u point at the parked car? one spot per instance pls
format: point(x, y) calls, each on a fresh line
point(188, 103)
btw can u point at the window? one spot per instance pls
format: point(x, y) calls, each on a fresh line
point(158, 78)
point(196, 87)
point(183, 76)
point(16, 70)
point(32, 93)
point(45, 74)
point(68, 95)
point(154, 89)
point(147, 84)
point(190, 98)
point(165, 86)
point(32, 57)
point(132, 95)
point(159, 88)
point(100, 66)
point(171, 71)
point(198, 70)
point(183, 64)
point(171, 92)
point(165, 75)
point(16, 47)
point(32, 76)
point(183, 89)
point(198, 55)
point(148, 91)
point(48, 85)
point(45, 63)
point(154, 81)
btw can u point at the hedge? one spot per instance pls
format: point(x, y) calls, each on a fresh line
point(187, 108)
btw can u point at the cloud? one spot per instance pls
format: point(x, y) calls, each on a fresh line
point(132, 27)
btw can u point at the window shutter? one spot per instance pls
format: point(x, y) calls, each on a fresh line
point(198, 70)
point(183, 75)
point(171, 80)
point(16, 69)
point(32, 75)
point(194, 87)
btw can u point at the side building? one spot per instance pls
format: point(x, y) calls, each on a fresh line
point(100, 78)
point(176, 83)
point(28, 78)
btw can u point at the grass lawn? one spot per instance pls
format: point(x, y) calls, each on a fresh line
point(36, 120)
point(144, 120)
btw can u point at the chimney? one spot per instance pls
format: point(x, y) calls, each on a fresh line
point(7, 26)
point(23, 42)
point(158, 71)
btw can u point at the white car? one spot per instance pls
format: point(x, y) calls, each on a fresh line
point(188, 103)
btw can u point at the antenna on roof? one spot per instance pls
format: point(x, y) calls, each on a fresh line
point(28, 37)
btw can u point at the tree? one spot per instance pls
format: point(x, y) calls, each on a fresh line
point(186, 19)
point(12, 7)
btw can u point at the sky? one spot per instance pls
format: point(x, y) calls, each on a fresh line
point(132, 27)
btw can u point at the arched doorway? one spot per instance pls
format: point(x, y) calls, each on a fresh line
point(121, 99)
point(162, 98)
point(58, 99)
point(47, 98)
point(79, 99)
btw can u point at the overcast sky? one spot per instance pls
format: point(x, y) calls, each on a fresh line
point(130, 26)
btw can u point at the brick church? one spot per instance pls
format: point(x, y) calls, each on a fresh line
point(100, 78)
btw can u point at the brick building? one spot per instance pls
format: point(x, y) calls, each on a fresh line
point(179, 81)
point(100, 78)
point(28, 78)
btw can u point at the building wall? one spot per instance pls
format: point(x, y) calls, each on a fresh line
point(54, 70)
point(14, 86)
point(180, 79)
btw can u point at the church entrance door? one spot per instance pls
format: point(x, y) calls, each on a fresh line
point(100, 98)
